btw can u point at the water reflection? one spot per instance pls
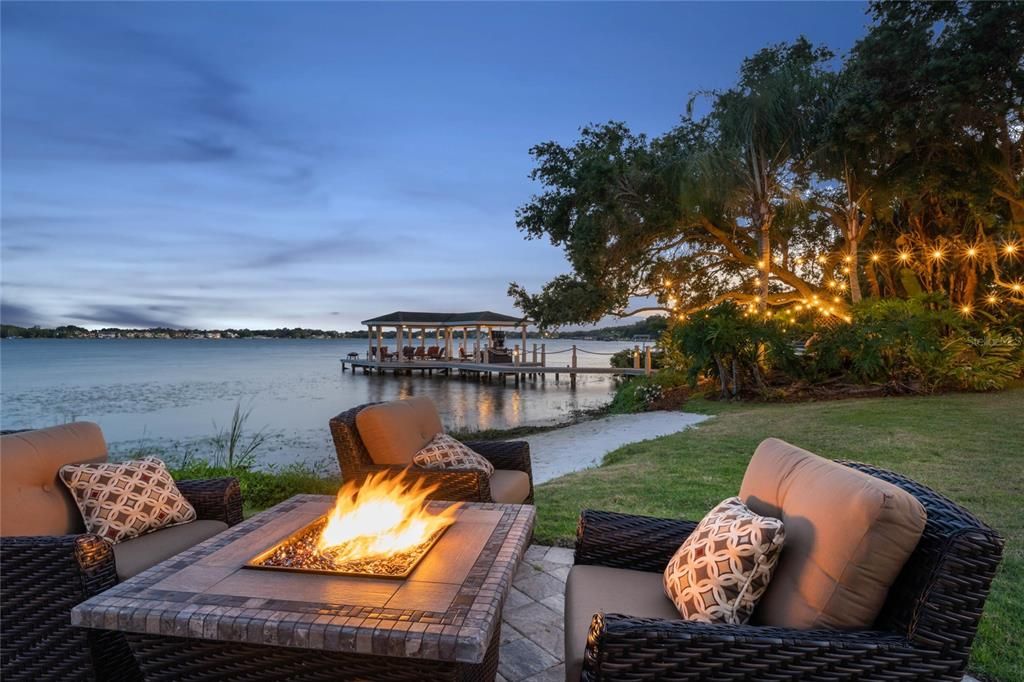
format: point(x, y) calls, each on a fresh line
point(174, 390)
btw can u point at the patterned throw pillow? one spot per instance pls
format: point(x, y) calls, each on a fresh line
point(723, 568)
point(444, 452)
point(123, 500)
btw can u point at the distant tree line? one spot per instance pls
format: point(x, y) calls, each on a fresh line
point(652, 326)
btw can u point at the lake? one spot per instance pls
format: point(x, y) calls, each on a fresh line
point(176, 394)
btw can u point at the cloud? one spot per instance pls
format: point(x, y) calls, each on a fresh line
point(19, 315)
point(131, 316)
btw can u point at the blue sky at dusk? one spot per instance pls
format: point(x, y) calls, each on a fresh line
point(289, 164)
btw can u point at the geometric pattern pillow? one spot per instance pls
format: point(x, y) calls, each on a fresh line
point(720, 572)
point(444, 452)
point(120, 501)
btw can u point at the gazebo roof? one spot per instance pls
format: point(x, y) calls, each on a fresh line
point(416, 319)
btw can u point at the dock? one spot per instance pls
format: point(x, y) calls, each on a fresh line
point(482, 371)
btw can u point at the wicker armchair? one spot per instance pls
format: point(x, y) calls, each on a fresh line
point(924, 631)
point(42, 577)
point(465, 484)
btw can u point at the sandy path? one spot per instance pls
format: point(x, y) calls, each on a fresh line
point(584, 445)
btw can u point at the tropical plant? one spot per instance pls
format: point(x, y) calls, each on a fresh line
point(733, 347)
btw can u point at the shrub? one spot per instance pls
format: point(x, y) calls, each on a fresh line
point(734, 348)
point(638, 394)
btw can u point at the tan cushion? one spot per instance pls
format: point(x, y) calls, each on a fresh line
point(136, 555)
point(599, 589)
point(33, 501)
point(848, 535)
point(122, 500)
point(394, 432)
point(510, 487)
point(444, 452)
point(723, 568)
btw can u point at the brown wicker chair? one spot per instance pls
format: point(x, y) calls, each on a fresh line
point(42, 577)
point(463, 484)
point(924, 631)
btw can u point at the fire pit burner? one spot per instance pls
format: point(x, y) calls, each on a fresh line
point(298, 553)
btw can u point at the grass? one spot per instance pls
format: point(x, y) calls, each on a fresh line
point(968, 446)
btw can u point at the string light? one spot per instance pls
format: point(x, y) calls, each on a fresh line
point(938, 254)
point(875, 257)
point(847, 259)
point(846, 271)
point(1011, 248)
point(822, 260)
point(992, 299)
point(904, 256)
point(971, 252)
point(966, 309)
point(760, 265)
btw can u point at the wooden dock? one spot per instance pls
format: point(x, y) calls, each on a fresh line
point(483, 371)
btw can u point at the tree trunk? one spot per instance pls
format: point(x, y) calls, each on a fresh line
point(764, 229)
point(876, 290)
point(721, 376)
point(854, 277)
point(735, 378)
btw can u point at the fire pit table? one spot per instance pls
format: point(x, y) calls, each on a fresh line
point(205, 615)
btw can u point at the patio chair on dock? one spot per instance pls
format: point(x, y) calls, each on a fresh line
point(386, 436)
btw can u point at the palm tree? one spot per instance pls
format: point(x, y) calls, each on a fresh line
point(760, 133)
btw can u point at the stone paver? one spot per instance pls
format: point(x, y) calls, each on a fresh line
point(532, 639)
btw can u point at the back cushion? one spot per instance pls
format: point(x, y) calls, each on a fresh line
point(394, 432)
point(848, 535)
point(33, 500)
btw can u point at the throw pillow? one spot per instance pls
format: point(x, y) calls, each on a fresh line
point(723, 568)
point(122, 500)
point(444, 452)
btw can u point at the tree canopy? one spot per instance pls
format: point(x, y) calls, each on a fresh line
point(812, 182)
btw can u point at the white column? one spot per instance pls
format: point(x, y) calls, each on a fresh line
point(380, 341)
point(399, 342)
point(476, 346)
point(369, 341)
point(523, 346)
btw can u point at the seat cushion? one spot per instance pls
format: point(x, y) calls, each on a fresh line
point(136, 555)
point(510, 487)
point(394, 432)
point(33, 500)
point(848, 535)
point(599, 589)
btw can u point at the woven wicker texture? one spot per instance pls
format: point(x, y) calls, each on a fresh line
point(924, 632)
point(43, 577)
point(472, 486)
point(168, 659)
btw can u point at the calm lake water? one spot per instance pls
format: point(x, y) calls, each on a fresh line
point(176, 394)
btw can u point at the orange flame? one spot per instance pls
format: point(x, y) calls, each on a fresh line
point(384, 516)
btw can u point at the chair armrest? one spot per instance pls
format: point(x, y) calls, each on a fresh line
point(513, 455)
point(641, 543)
point(41, 579)
point(623, 647)
point(215, 499)
point(467, 485)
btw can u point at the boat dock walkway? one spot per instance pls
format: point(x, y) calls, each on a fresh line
point(488, 371)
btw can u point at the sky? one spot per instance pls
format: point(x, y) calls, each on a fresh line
point(284, 164)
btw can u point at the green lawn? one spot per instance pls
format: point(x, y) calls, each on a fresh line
point(968, 446)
